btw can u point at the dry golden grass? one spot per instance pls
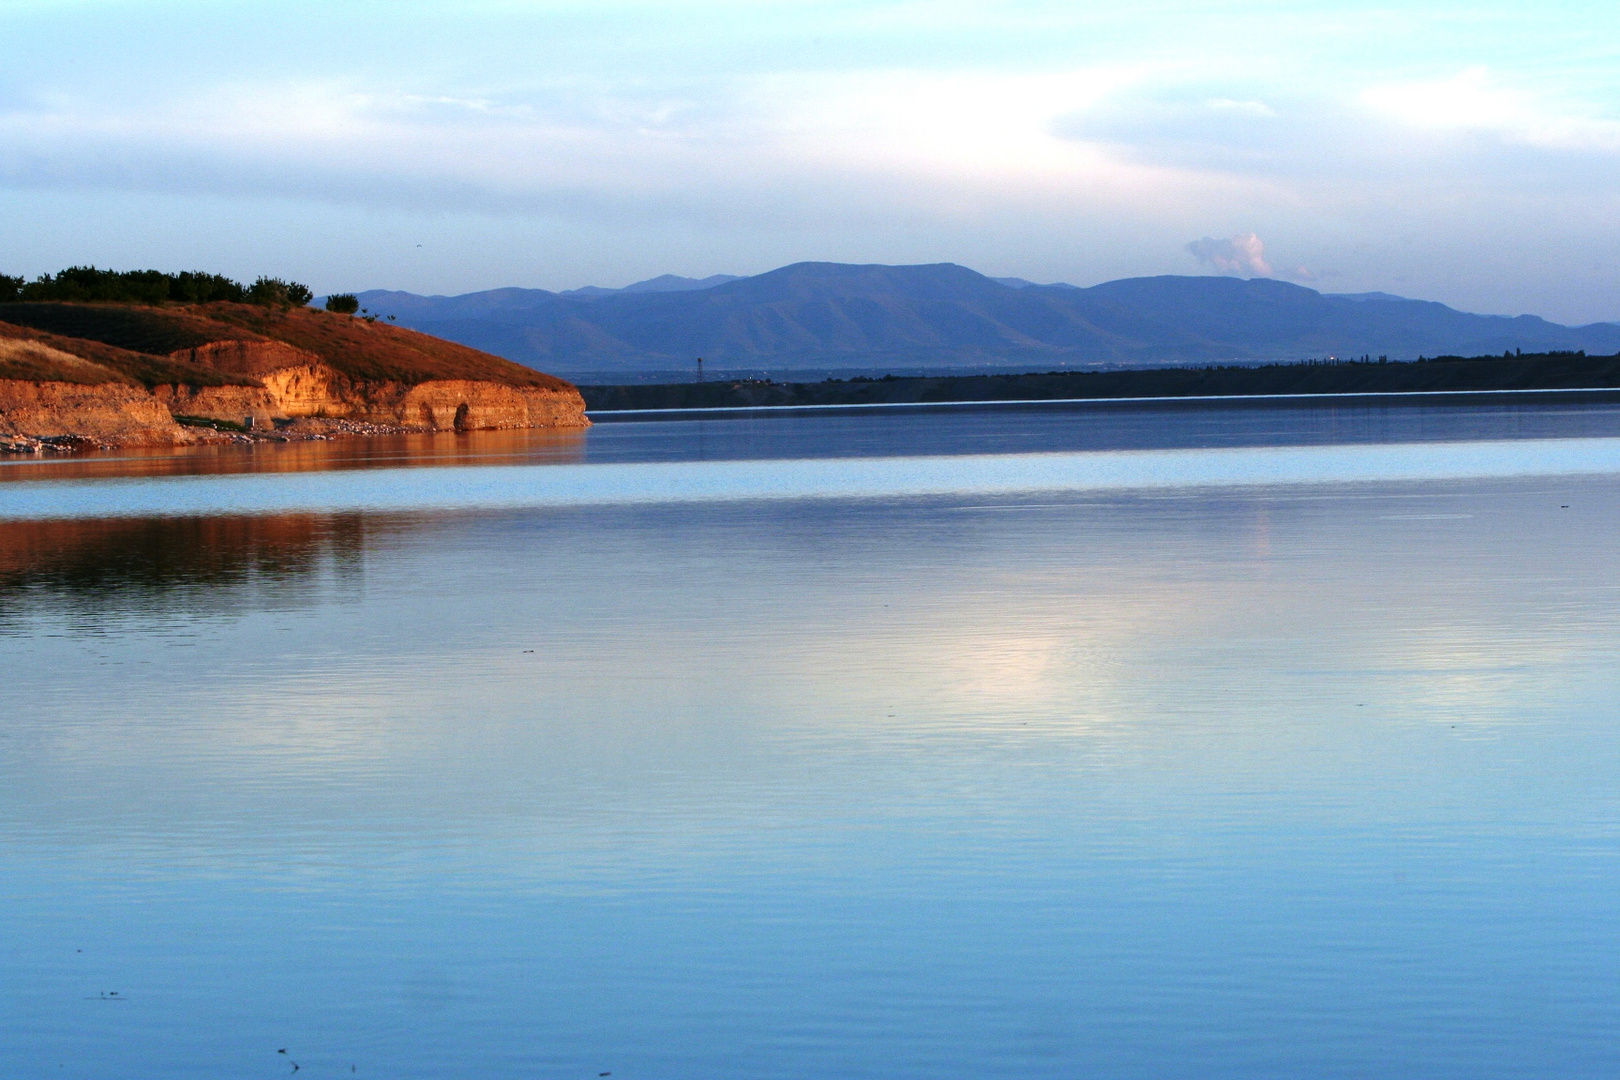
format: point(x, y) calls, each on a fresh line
point(142, 340)
point(34, 361)
point(126, 365)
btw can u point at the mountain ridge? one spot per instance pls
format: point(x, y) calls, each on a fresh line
point(879, 317)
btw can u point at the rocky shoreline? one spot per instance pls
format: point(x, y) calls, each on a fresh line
point(54, 444)
point(203, 432)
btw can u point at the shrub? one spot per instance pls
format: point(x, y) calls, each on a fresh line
point(273, 292)
point(343, 303)
point(197, 287)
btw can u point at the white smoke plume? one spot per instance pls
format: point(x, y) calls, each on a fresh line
point(1244, 254)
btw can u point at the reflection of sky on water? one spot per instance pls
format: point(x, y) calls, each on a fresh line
point(1007, 428)
point(1294, 781)
point(498, 487)
point(697, 636)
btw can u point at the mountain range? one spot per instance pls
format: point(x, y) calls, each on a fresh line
point(944, 317)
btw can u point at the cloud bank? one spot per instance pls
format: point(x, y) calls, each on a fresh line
point(1431, 150)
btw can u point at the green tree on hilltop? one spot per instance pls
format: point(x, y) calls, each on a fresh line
point(197, 287)
point(274, 292)
point(87, 284)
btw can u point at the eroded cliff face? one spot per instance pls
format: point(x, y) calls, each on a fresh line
point(251, 405)
point(475, 406)
point(112, 413)
point(311, 389)
point(297, 384)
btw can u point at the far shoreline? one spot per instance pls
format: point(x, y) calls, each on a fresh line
point(1433, 380)
point(1373, 397)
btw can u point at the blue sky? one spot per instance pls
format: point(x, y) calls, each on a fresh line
point(1468, 153)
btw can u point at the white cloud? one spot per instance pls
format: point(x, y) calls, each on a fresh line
point(1244, 254)
point(929, 146)
point(1472, 101)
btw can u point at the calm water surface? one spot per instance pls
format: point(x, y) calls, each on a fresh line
point(1225, 779)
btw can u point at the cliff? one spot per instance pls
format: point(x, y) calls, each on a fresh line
point(48, 391)
point(109, 413)
point(122, 373)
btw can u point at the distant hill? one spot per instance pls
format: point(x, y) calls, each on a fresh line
point(661, 283)
point(1022, 283)
point(1364, 296)
point(671, 283)
point(943, 316)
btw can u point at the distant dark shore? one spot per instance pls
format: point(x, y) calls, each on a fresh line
point(1539, 371)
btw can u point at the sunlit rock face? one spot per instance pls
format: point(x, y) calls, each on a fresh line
point(308, 387)
point(469, 406)
point(126, 415)
point(114, 413)
point(114, 374)
point(297, 384)
point(234, 403)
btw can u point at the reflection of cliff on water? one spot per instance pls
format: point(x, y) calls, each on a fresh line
point(523, 446)
point(174, 565)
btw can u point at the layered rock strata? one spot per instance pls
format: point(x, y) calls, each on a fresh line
point(298, 384)
point(111, 413)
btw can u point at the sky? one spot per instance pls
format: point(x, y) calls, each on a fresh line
point(1461, 152)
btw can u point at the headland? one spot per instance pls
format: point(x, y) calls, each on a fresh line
point(88, 375)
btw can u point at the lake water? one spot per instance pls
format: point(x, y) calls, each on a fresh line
point(1134, 742)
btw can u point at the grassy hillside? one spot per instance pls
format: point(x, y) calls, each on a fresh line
point(135, 340)
point(151, 330)
point(34, 361)
point(38, 356)
point(371, 350)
